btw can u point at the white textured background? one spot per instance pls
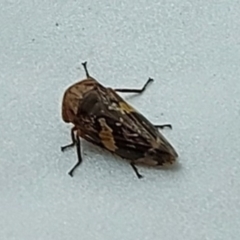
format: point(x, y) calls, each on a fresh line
point(191, 49)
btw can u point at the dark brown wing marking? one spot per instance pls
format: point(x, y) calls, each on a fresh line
point(107, 120)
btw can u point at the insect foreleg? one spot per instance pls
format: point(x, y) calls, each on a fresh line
point(125, 90)
point(79, 154)
point(63, 148)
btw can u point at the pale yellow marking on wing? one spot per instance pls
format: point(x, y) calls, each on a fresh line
point(107, 136)
point(122, 107)
point(126, 107)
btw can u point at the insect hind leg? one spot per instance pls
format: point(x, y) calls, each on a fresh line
point(136, 170)
point(163, 126)
point(126, 90)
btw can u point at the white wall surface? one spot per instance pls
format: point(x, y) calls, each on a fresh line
point(191, 49)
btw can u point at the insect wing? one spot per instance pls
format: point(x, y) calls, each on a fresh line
point(109, 122)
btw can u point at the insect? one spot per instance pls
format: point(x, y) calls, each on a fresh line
point(102, 117)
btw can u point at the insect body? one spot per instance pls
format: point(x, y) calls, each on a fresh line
point(102, 117)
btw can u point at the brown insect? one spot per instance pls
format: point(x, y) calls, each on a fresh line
point(102, 117)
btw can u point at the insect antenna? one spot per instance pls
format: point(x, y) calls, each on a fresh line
point(85, 68)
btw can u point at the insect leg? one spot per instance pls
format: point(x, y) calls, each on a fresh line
point(85, 68)
point(63, 148)
point(136, 170)
point(163, 126)
point(78, 145)
point(125, 90)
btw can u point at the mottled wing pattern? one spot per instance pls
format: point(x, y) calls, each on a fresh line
point(108, 121)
